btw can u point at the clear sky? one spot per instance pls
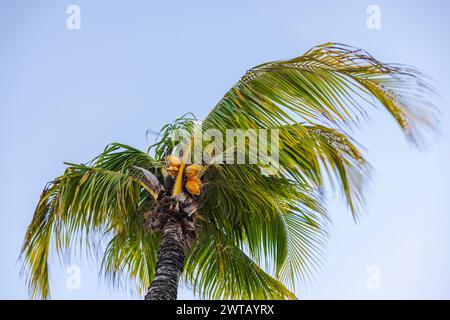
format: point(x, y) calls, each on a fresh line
point(136, 65)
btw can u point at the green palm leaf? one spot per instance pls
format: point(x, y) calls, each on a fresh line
point(87, 202)
point(218, 269)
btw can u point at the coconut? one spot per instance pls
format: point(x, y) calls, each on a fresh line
point(172, 161)
point(194, 186)
point(193, 170)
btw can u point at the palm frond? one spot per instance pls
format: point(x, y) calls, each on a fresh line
point(218, 269)
point(87, 202)
point(313, 100)
point(331, 84)
point(129, 260)
point(256, 212)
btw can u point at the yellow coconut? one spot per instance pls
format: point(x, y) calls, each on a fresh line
point(172, 171)
point(172, 161)
point(194, 186)
point(172, 165)
point(193, 170)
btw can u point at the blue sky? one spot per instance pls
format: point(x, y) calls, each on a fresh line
point(65, 94)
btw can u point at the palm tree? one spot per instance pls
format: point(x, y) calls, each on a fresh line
point(237, 233)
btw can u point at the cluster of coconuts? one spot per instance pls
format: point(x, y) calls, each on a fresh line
point(191, 174)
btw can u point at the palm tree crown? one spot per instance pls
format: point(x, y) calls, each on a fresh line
point(245, 234)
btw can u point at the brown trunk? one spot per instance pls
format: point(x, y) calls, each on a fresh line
point(169, 265)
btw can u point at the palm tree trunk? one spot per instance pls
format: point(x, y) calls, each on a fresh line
point(169, 264)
